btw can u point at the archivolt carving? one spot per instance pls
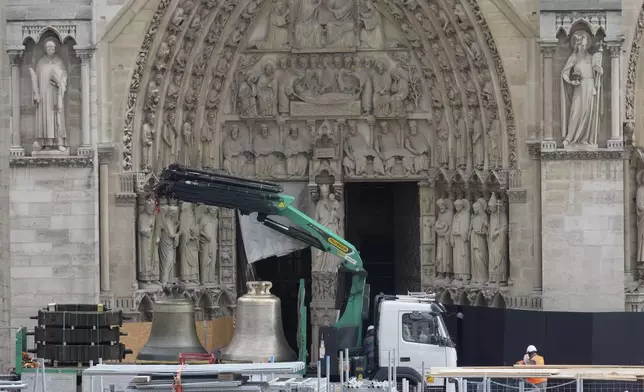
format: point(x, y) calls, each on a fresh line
point(444, 61)
point(633, 61)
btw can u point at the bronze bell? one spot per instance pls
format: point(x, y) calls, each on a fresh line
point(259, 334)
point(173, 328)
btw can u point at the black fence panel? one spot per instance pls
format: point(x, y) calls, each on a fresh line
point(499, 337)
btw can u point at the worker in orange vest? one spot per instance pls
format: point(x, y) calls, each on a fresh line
point(532, 358)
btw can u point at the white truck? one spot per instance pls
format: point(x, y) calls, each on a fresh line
point(411, 331)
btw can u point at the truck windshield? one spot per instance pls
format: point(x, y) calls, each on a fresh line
point(421, 327)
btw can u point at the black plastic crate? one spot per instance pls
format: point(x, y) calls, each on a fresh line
point(69, 319)
point(81, 353)
point(53, 335)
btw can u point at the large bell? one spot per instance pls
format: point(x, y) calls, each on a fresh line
point(258, 329)
point(173, 328)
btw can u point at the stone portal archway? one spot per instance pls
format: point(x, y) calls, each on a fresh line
point(352, 90)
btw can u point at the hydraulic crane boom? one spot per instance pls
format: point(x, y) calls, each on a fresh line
point(266, 199)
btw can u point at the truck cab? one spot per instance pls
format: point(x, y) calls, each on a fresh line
point(411, 331)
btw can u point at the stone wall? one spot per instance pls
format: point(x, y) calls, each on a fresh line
point(53, 245)
point(583, 227)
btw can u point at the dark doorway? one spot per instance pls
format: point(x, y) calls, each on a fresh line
point(285, 273)
point(382, 221)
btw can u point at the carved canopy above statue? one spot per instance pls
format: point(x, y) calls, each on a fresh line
point(393, 88)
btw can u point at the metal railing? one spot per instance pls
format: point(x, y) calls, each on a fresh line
point(579, 384)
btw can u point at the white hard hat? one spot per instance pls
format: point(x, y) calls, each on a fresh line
point(531, 349)
point(370, 328)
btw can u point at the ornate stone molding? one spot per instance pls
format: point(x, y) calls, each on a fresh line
point(136, 79)
point(548, 50)
point(633, 60)
point(15, 56)
point(53, 161)
point(85, 54)
point(105, 153)
point(516, 195)
point(534, 149)
point(126, 196)
point(562, 155)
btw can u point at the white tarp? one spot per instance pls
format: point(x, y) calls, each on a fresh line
point(260, 242)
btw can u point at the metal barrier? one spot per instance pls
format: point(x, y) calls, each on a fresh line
point(579, 384)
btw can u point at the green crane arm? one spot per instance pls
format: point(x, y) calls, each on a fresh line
point(266, 199)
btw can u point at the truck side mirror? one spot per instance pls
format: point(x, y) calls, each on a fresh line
point(460, 315)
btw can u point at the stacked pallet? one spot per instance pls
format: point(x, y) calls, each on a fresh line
point(78, 334)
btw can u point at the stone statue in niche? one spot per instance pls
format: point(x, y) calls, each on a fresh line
point(207, 132)
point(235, 150)
point(148, 135)
point(639, 204)
point(371, 29)
point(478, 242)
point(49, 85)
point(476, 138)
point(297, 151)
point(265, 148)
point(443, 228)
point(417, 144)
point(208, 243)
point(400, 92)
point(329, 213)
point(148, 248)
point(324, 23)
point(442, 133)
point(357, 153)
point(277, 34)
point(497, 242)
point(168, 241)
point(267, 91)
point(460, 241)
point(381, 89)
point(188, 244)
point(494, 140)
point(580, 107)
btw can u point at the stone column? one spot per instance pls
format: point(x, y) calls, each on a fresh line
point(615, 140)
point(427, 199)
point(105, 152)
point(86, 141)
point(16, 149)
point(547, 50)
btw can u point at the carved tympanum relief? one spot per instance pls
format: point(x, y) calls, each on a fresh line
point(185, 242)
point(471, 242)
point(361, 59)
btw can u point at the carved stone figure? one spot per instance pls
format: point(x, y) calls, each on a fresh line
point(478, 242)
point(459, 239)
point(417, 144)
point(494, 140)
point(267, 91)
point(189, 244)
point(168, 242)
point(381, 90)
point(297, 151)
point(366, 86)
point(497, 242)
point(265, 148)
point(639, 204)
point(324, 23)
point(476, 138)
point(442, 132)
point(285, 78)
point(247, 95)
point(169, 135)
point(148, 135)
point(277, 35)
point(235, 147)
point(371, 29)
point(582, 73)
point(357, 151)
point(387, 147)
point(443, 228)
point(208, 243)
point(49, 85)
point(328, 212)
point(207, 132)
point(148, 271)
point(348, 83)
point(400, 90)
point(313, 76)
